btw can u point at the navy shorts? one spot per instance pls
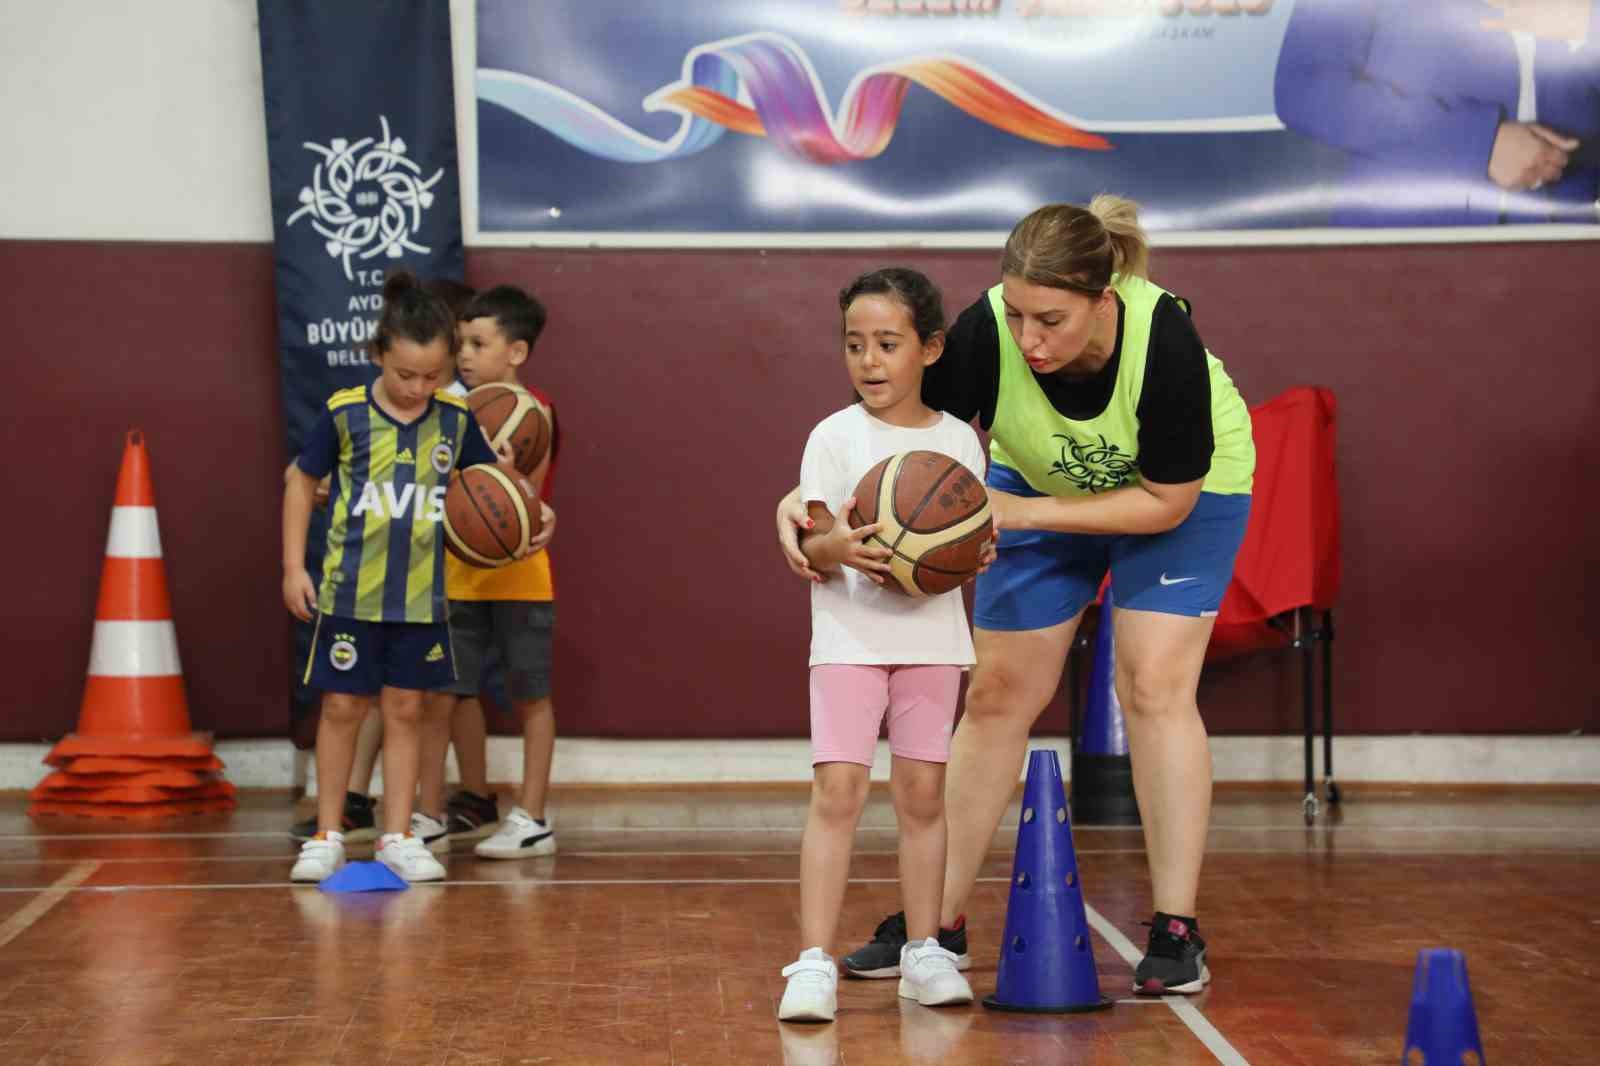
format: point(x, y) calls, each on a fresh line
point(1040, 579)
point(360, 658)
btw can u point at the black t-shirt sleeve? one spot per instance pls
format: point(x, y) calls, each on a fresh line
point(966, 379)
point(1175, 439)
point(474, 448)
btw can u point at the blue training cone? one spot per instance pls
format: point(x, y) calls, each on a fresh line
point(1102, 772)
point(1443, 1027)
point(1046, 960)
point(363, 877)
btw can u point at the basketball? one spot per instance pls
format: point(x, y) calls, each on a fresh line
point(510, 414)
point(487, 516)
point(935, 518)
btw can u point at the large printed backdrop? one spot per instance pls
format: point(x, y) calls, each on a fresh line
point(808, 117)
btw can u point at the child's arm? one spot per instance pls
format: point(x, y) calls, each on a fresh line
point(299, 594)
point(830, 544)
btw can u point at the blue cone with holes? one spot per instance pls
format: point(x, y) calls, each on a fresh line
point(1443, 1027)
point(1047, 960)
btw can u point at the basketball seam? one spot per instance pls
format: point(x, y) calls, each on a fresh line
point(909, 520)
point(473, 499)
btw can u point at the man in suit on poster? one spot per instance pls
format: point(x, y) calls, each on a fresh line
point(1451, 112)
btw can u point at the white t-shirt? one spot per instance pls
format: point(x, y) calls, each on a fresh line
point(853, 620)
point(456, 388)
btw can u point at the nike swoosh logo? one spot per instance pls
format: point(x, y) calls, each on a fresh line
point(1176, 580)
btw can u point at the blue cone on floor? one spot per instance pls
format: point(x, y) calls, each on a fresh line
point(1443, 1026)
point(1102, 772)
point(1046, 960)
point(363, 877)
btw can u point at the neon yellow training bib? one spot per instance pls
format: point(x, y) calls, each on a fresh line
point(1060, 456)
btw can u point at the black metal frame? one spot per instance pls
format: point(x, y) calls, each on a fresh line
point(1305, 631)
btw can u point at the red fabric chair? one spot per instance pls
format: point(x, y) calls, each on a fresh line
point(1288, 569)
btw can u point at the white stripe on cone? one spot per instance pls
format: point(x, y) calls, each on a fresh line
point(134, 534)
point(134, 649)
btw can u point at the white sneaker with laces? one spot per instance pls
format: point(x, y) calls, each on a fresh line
point(812, 994)
point(928, 975)
point(407, 856)
point(520, 836)
point(319, 858)
point(432, 832)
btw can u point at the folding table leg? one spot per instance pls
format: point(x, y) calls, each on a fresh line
point(1330, 789)
point(1308, 663)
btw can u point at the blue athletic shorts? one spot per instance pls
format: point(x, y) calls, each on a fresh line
point(362, 657)
point(1040, 579)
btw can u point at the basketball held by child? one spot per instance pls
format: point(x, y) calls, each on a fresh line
point(488, 517)
point(510, 414)
point(934, 517)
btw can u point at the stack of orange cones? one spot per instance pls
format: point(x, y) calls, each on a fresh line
point(134, 754)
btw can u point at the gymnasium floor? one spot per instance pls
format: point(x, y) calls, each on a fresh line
point(657, 934)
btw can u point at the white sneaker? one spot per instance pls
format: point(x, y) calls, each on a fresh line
point(520, 835)
point(812, 994)
point(407, 856)
point(319, 858)
point(432, 832)
point(928, 975)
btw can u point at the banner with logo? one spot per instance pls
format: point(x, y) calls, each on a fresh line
point(842, 121)
point(361, 149)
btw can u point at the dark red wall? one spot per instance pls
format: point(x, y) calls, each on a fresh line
point(686, 382)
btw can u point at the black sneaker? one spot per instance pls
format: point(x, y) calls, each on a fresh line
point(1174, 961)
point(470, 816)
point(881, 958)
point(359, 825)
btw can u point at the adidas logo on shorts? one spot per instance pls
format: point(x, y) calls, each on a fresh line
point(435, 653)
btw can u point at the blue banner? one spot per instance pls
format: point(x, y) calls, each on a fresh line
point(361, 149)
point(859, 117)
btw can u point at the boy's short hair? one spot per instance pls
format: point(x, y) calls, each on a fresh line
point(519, 316)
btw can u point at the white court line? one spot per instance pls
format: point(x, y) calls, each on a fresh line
point(1207, 1033)
point(576, 883)
point(994, 855)
point(35, 909)
point(865, 829)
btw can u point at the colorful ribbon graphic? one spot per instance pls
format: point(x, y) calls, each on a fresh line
point(789, 105)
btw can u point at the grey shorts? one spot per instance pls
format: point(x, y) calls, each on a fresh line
point(517, 633)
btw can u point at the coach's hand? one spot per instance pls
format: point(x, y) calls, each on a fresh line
point(792, 518)
point(541, 539)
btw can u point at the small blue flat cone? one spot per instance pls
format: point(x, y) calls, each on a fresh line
point(1443, 1027)
point(364, 877)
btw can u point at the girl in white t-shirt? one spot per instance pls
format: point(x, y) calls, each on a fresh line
point(875, 651)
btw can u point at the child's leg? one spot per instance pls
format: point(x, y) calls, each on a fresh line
point(470, 736)
point(437, 708)
point(838, 793)
point(847, 704)
point(918, 789)
point(538, 748)
point(368, 741)
point(342, 713)
point(922, 708)
point(402, 720)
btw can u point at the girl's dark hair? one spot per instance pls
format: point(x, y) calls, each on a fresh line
point(919, 296)
point(412, 313)
point(456, 295)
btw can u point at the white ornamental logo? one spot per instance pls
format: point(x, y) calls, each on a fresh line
point(366, 198)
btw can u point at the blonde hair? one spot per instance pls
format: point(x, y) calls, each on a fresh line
point(1063, 246)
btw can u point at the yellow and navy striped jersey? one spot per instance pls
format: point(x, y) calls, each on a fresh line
point(385, 556)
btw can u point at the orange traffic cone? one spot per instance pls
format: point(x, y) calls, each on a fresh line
point(134, 719)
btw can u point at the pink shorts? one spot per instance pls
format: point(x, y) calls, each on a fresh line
point(848, 702)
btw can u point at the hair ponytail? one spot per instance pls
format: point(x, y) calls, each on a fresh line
point(1130, 248)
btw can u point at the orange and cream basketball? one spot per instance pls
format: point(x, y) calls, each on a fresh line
point(488, 517)
point(510, 414)
point(934, 515)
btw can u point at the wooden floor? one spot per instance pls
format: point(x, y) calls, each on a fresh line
point(657, 934)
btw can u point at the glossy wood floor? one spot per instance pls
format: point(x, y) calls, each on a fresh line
point(656, 937)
